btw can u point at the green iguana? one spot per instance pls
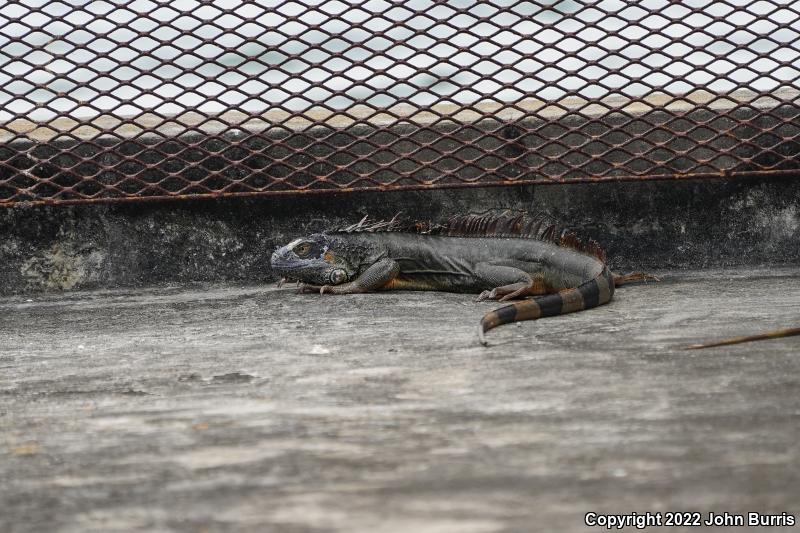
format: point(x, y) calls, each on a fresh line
point(502, 258)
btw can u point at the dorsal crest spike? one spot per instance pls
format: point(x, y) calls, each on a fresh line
point(484, 225)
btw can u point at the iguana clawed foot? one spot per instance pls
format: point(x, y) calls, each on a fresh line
point(508, 292)
point(305, 287)
point(486, 295)
point(492, 295)
point(622, 279)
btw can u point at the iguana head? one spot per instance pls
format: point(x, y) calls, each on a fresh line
point(313, 259)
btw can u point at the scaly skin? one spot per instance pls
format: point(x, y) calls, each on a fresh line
point(560, 278)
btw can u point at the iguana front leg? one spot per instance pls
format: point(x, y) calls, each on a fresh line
point(373, 278)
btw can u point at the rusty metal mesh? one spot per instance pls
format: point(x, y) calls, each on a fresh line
point(133, 100)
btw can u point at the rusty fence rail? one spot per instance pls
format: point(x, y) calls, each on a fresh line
point(149, 99)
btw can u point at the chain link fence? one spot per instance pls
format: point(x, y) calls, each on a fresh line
point(138, 100)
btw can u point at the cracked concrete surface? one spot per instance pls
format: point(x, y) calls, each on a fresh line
point(248, 408)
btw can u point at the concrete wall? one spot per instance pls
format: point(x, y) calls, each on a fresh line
point(650, 225)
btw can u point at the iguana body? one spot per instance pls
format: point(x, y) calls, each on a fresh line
point(498, 257)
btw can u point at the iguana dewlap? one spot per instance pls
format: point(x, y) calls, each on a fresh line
point(500, 258)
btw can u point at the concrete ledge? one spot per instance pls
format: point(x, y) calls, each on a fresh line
point(242, 408)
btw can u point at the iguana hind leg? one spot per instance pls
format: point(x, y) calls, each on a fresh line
point(515, 290)
point(508, 282)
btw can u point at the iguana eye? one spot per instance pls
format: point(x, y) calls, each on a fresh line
point(337, 276)
point(302, 249)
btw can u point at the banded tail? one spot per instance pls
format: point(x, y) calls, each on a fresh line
point(593, 293)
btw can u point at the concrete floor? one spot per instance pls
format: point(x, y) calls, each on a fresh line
point(255, 409)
